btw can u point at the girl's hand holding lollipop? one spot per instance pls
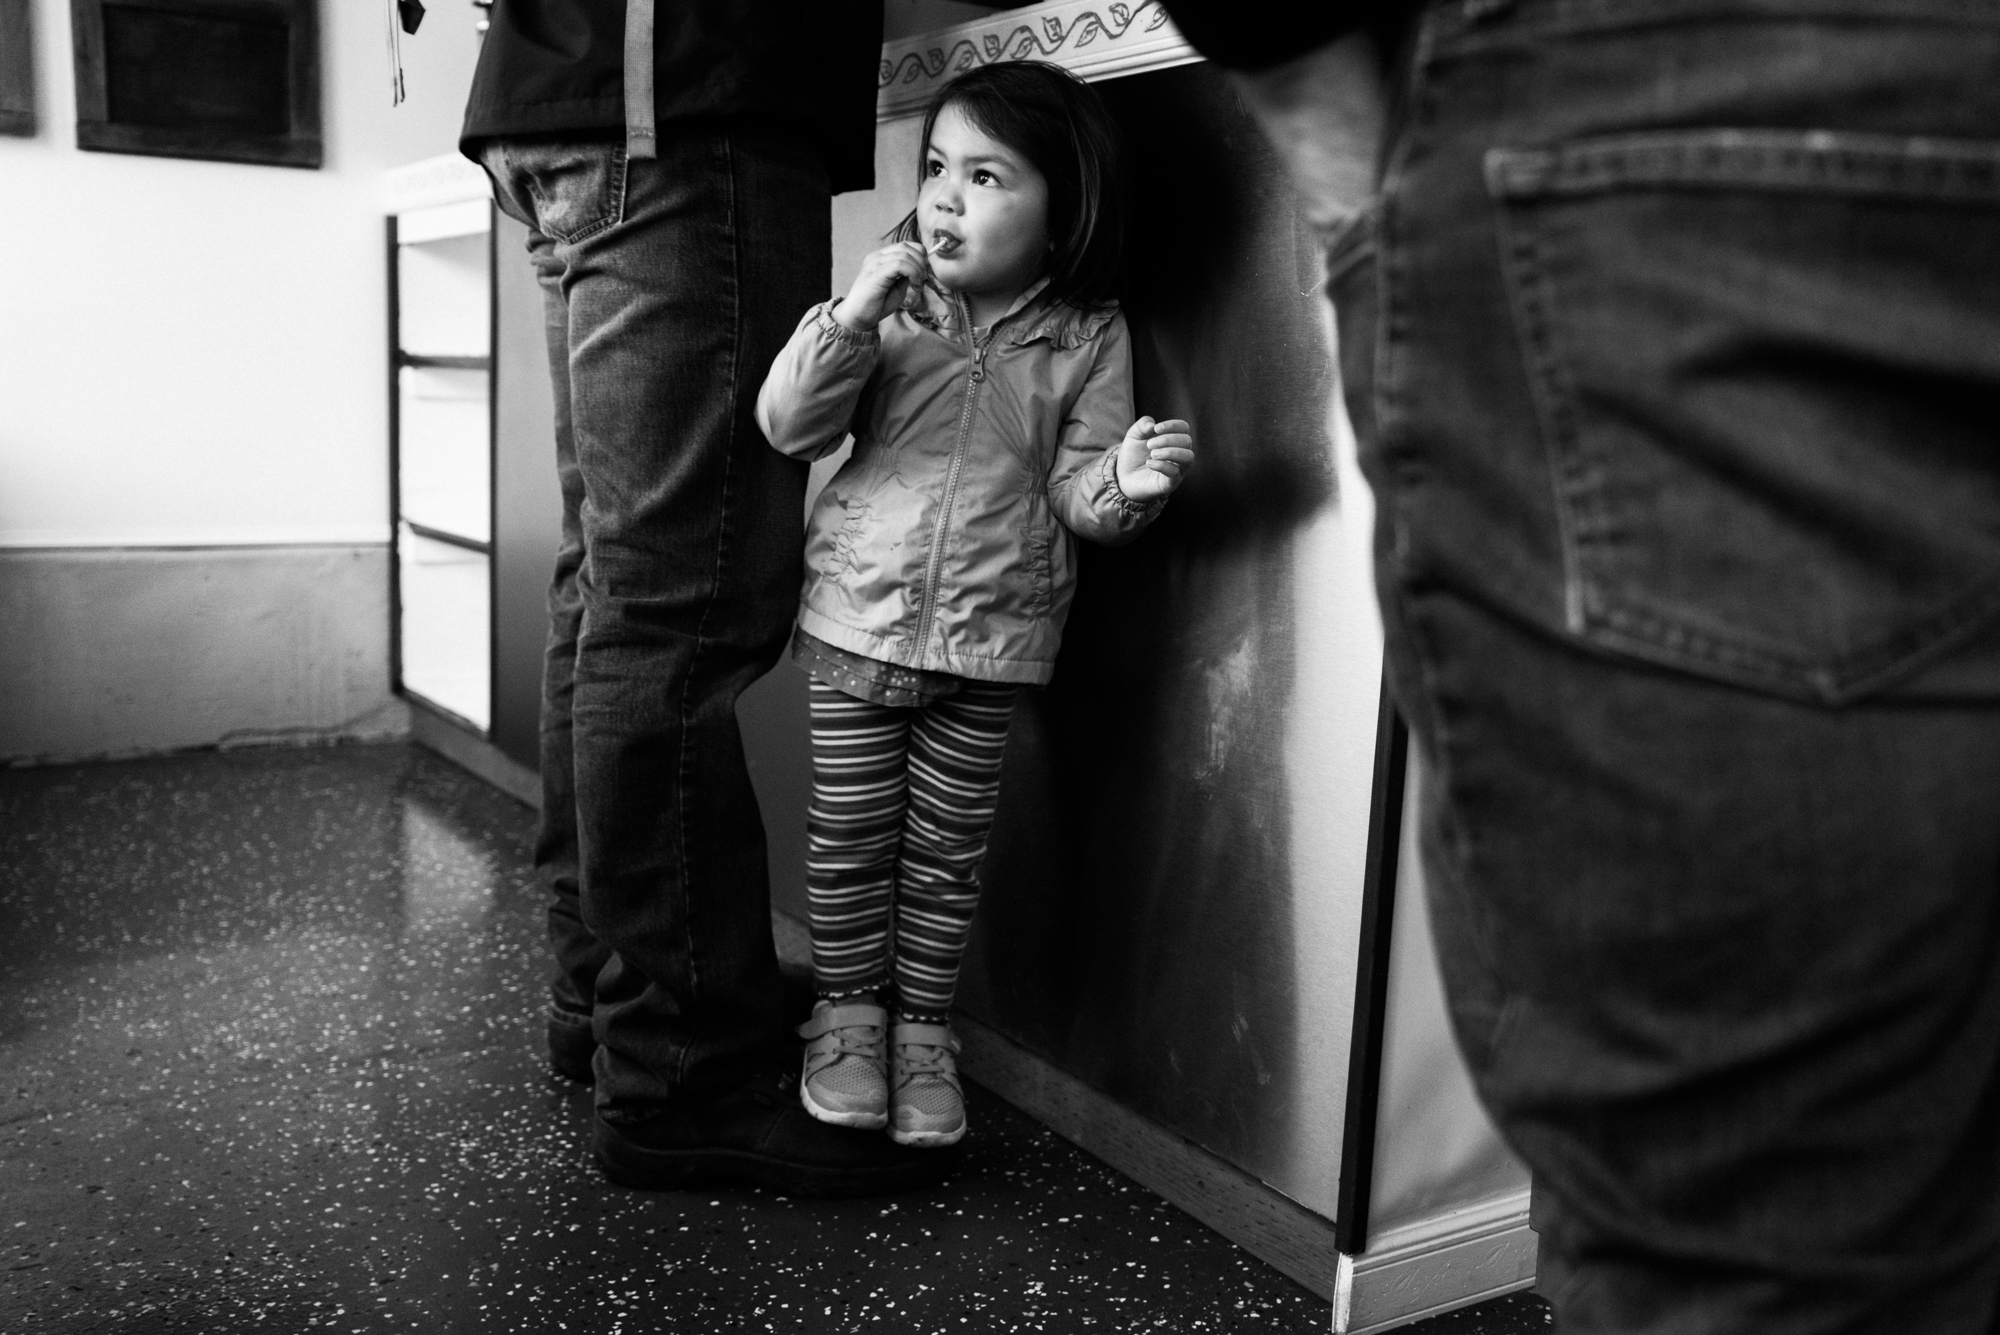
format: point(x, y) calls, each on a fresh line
point(1154, 458)
point(891, 279)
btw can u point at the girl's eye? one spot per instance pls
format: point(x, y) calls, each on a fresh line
point(934, 167)
point(984, 177)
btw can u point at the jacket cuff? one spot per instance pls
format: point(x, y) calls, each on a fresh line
point(823, 321)
point(1116, 494)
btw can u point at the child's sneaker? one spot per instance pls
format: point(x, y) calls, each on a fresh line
point(844, 1081)
point(926, 1104)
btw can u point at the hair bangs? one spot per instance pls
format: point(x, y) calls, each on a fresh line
point(1057, 122)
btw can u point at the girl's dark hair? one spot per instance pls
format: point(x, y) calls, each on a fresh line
point(1055, 121)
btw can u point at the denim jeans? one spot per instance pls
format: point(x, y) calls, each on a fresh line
point(670, 286)
point(1673, 343)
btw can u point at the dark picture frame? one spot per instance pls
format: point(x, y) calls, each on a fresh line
point(226, 80)
point(17, 69)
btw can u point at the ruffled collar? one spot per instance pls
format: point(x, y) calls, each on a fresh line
point(1029, 318)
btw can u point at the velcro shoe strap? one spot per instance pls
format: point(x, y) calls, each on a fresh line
point(930, 1035)
point(845, 1017)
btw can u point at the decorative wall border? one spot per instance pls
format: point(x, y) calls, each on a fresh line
point(1093, 39)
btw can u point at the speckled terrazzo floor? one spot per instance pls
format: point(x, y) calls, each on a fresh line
point(269, 1026)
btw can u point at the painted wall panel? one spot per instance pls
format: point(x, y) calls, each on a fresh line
point(125, 652)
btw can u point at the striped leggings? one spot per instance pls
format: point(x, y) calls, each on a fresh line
point(902, 803)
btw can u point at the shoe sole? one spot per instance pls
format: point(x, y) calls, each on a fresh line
point(928, 1140)
point(668, 1170)
point(860, 1121)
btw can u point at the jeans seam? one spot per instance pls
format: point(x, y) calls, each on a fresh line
point(1388, 290)
point(715, 583)
point(1562, 457)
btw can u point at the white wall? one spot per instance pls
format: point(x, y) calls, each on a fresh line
point(194, 421)
point(191, 353)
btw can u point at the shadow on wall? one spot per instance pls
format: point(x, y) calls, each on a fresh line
point(1137, 923)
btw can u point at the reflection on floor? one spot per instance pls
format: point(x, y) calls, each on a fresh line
point(268, 1021)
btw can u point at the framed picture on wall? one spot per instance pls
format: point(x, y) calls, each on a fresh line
point(232, 80)
point(17, 69)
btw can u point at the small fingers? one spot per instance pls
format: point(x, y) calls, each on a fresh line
point(907, 259)
point(1172, 426)
point(1172, 455)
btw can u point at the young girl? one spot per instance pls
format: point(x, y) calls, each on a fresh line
point(986, 376)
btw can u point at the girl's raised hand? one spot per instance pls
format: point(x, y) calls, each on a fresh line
point(889, 279)
point(1154, 458)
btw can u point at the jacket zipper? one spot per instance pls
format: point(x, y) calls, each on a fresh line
point(975, 373)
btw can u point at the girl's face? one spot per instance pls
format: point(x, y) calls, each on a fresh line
point(984, 210)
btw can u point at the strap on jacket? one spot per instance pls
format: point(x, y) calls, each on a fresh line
point(639, 129)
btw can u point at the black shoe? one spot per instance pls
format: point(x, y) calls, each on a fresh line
point(759, 1133)
point(572, 1044)
point(797, 982)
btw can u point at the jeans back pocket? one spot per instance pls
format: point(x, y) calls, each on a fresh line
point(1767, 367)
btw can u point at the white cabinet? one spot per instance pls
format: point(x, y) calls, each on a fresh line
point(441, 443)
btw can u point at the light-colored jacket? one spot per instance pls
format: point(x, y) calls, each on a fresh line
point(945, 543)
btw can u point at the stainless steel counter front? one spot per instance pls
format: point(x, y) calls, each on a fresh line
point(1172, 901)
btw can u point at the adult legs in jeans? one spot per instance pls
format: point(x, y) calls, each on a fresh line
point(1675, 361)
point(1723, 968)
point(670, 286)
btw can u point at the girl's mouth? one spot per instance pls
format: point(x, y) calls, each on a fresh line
point(944, 245)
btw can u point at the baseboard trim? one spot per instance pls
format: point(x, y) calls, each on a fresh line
point(472, 752)
point(1473, 1254)
point(1250, 1213)
point(112, 653)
